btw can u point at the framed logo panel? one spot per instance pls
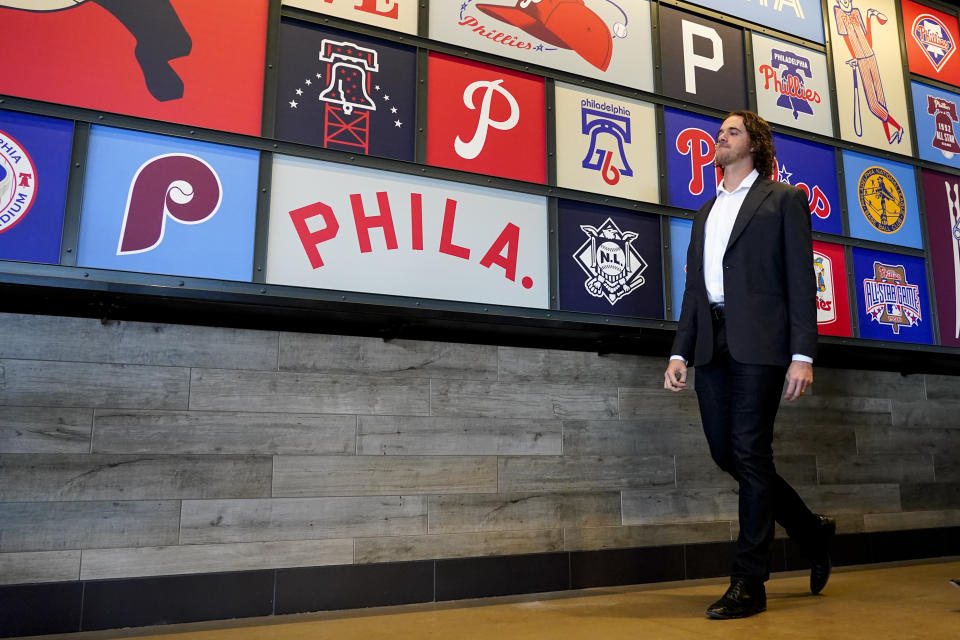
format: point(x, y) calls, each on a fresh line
point(34, 166)
point(871, 97)
point(791, 85)
point(167, 205)
point(609, 261)
point(692, 177)
point(881, 200)
point(345, 91)
point(604, 39)
point(892, 296)
point(941, 193)
point(604, 144)
point(935, 112)
point(702, 60)
point(338, 227)
point(801, 18)
point(399, 15)
point(197, 62)
point(833, 303)
point(932, 39)
point(680, 232)
point(813, 168)
point(486, 119)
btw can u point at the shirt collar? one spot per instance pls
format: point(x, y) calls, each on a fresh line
point(746, 184)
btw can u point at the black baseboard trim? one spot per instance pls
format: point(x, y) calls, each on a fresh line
point(66, 607)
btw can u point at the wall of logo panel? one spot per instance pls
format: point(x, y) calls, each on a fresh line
point(164, 205)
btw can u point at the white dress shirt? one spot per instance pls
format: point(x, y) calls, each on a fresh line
point(719, 225)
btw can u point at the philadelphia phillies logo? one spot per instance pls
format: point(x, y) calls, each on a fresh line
point(794, 96)
point(18, 182)
point(178, 186)
point(934, 39)
point(944, 113)
point(471, 149)
point(606, 122)
point(826, 302)
point(613, 266)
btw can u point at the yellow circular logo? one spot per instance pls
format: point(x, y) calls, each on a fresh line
point(881, 200)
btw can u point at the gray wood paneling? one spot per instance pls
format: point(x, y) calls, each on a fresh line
point(521, 400)
point(39, 566)
point(583, 473)
point(120, 342)
point(654, 436)
point(222, 390)
point(700, 471)
point(851, 498)
point(911, 520)
point(62, 477)
point(875, 468)
point(208, 558)
point(835, 410)
point(505, 511)
point(304, 476)
point(457, 545)
point(200, 432)
point(946, 468)
point(218, 521)
point(927, 413)
point(815, 439)
point(330, 354)
point(45, 430)
point(645, 535)
point(872, 384)
point(41, 526)
point(930, 441)
point(73, 384)
point(404, 435)
point(930, 496)
point(943, 387)
point(584, 367)
point(651, 404)
point(650, 506)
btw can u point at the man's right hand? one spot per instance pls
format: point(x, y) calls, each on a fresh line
point(675, 377)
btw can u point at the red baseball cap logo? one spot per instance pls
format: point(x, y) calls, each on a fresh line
point(567, 24)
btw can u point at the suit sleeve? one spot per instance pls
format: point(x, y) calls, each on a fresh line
point(801, 280)
point(685, 340)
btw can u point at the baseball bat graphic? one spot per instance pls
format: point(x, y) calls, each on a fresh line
point(857, 117)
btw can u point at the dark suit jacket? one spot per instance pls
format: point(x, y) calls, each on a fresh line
point(768, 280)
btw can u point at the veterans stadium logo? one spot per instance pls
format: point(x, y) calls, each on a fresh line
point(790, 83)
point(944, 113)
point(18, 182)
point(826, 302)
point(613, 266)
point(890, 299)
point(606, 123)
point(882, 200)
point(934, 39)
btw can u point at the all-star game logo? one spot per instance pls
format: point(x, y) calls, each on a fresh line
point(605, 123)
point(882, 200)
point(826, 302)
point(890, 299)
point(934, 39)
point(18, 182)
point(614, 268)
point(944, 113)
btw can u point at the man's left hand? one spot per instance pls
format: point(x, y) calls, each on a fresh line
point(799, 377)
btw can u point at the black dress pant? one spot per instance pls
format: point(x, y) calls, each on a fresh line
point(738, 406)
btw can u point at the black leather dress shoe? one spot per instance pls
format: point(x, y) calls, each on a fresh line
point(820, 564)
point(743, 599)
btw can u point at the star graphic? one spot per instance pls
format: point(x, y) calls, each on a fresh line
point(299, 92)
point(293, 104)
point(784, 174)
point(398, 123)
point(386, 98)
point(319, 76)
point(376, 87)
point(307, 82)
point(393, 109)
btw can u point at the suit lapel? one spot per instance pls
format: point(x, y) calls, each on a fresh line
point(755, 197)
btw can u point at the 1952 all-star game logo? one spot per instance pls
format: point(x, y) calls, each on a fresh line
point(18, 182)
point(882, 200)
point(613, 266)
point(890, 299)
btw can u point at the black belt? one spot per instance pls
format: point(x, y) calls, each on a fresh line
point(716, 311)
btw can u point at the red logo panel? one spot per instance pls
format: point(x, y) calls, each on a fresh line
point(486, 119)
point(932, 40)
point(197, 62)
point(833, 304)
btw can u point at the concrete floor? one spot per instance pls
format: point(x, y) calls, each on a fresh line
point(899, 601)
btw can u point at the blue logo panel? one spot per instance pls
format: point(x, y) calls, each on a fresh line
point(813, 168)
point(881, 200)
point(892, 297)
point(164, 205)
point(691, 148)
point(610, 261)
point(680, 231)
point(936, 114)
point(802, 19)
point(34, 167)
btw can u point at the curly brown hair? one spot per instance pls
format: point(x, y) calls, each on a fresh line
point(761, 141)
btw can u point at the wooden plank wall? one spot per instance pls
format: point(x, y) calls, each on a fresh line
point(131, 449)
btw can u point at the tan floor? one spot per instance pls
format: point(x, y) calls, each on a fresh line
point(881, 601)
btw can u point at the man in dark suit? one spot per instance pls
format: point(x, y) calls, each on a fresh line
point(748, 321)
